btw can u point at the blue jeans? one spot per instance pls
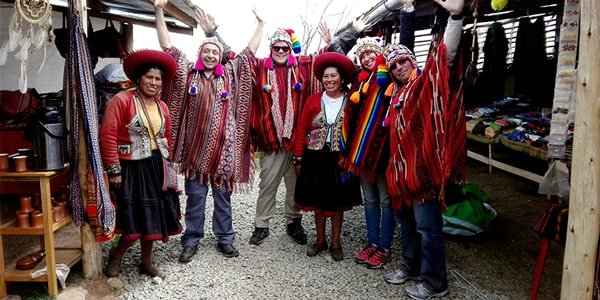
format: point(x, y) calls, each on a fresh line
point(378, 212)
point(423, 243)
point(222, 224)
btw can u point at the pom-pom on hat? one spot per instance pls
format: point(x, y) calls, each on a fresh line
point(143, 57)
point(396, 53)
point(288, 36)
point(368, 44)
point(334, 59)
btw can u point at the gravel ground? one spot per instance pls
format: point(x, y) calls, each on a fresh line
point(498, 265)
point(278, 268)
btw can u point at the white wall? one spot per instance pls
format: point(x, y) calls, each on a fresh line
point(50, 79)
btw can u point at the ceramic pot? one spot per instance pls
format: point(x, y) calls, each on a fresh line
point(22, 219)
point(36, 219)
point(20, 163)
point(3, 161)
point(56, 213)
point(26, 204)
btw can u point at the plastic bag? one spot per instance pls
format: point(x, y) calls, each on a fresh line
point(556, 181)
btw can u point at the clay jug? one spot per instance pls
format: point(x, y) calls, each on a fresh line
point(36, 219)
point(22, 219)
point(26, 204)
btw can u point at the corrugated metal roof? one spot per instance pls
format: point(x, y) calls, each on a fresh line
point(179, 16)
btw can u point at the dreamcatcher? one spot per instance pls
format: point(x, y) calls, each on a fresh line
point(29, 30)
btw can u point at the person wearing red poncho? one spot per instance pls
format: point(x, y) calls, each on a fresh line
point(427, 152)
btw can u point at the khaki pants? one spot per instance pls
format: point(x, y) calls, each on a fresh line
point(274, 167)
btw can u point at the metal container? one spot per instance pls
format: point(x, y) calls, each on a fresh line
point(49, 146)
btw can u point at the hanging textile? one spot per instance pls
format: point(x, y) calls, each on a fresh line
point(495, 49)
point(566, 77)
point(529, 60)
point(87, 172)
point(29, 30)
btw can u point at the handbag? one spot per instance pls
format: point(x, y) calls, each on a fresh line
point(170, 169)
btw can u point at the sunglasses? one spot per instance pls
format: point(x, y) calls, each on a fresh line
point(278, 49)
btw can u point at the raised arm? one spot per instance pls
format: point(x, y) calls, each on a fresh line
point(347, 38)
point(407, 25)
point(454, 28)
point(208, 25)
point(161, 25)
point(255, 40)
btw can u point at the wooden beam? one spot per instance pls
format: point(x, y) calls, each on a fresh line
point(584, 205)
point(177, 13)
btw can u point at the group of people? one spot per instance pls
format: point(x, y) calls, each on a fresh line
point(338, 135)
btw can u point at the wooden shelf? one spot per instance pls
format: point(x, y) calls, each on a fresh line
point(10, 229)
point(53, 255)
point(67, 256)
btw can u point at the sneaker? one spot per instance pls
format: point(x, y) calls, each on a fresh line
point(188, 253)
point(259, 235)
point(362, 256)
point(228, 250)
point(378, 259)
point(420, 292)
point(296, 231)
point(399, 276)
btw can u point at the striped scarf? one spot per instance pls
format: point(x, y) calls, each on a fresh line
point(428, 135)
point(84, 119)
point(363, 128)
point(210, 129)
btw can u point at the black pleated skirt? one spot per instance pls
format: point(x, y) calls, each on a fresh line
point(143, 209)
point(322, 187)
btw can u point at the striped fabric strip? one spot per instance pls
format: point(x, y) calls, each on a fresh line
point(83, 96)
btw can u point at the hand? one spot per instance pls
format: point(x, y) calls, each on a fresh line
point(360, 24)
point(325, 32)
point(407, 3)
point(258, 18)
point(115, 181)
point(454, 7)
point(160, 3)
point(206, 22)
point(297, 170)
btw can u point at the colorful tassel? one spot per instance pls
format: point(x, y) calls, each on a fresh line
point(297, 86)
point(296, 46)
point(291, 61)
point(219, 70)
point(267, 88)
point(224, 96)
point(383, 77)
point(365, 88)
point(355, 97)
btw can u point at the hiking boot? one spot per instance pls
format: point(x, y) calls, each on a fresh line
point(399, 276)
point(296, 231)
point(228, 250)
point(259, 235)
point(188, 253)
point(362, 256)
point(420, 292)
point(378, 259)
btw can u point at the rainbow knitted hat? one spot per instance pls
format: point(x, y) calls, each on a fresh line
point(288, 36)
point(395, 53)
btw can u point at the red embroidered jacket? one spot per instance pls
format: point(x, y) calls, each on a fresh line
point(312, 129)
point(123, 134)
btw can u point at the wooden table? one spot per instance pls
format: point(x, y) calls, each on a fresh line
point(67, 256)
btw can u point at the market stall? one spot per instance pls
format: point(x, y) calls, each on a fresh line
point(48, 71)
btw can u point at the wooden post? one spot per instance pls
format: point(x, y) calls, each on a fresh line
point(584, 206)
